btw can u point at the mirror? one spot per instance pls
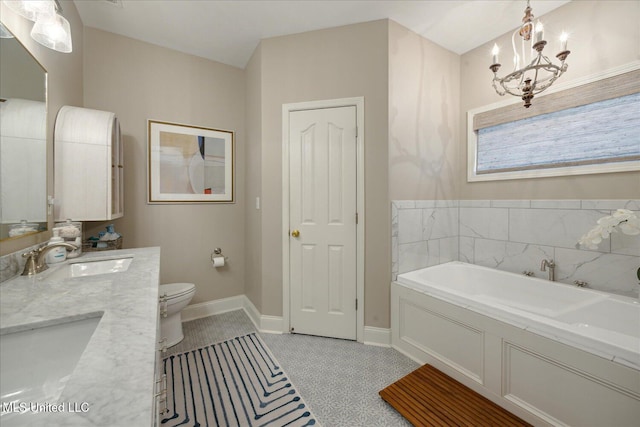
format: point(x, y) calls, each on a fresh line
point(23, 141)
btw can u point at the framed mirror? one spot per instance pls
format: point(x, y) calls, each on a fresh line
point(23, 140)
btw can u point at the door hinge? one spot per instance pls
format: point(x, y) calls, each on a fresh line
point(356, 131)
point(356, 217)
point(356, 304)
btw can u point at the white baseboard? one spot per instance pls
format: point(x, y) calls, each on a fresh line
point(380, 337)
point(209, 308)
point(263, 323)
point(268, 324)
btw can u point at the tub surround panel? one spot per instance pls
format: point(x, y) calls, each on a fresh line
point(439, 222)
point(553, 227)
point(488, 223)
point(510, 256)
point(515, 236)
point(461, 347)
point(609, 272)
point(115, 374)
point(527, 375)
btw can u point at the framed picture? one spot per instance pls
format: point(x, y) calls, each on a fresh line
point(189, 164)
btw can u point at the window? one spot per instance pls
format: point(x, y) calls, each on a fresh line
point(592, 128)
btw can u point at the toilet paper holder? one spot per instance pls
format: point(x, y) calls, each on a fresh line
point(215, 258)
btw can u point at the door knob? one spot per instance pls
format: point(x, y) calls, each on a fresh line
point(295, 233)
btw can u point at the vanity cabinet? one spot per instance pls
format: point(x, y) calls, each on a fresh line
point(89, 166)
point(160, 391)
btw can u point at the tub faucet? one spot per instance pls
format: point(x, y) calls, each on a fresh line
point(552, 268)
point(36, 258)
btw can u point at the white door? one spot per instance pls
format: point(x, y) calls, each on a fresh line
point(322, 222)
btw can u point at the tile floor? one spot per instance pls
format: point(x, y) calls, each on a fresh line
point(338, 379)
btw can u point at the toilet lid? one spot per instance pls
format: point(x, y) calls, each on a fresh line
point(174, 290)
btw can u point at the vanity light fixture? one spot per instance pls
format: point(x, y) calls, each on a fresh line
point(51, 29)
point(532, 71)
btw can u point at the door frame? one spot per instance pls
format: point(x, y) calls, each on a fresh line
point(358, 102)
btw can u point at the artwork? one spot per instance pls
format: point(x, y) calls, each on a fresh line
point(189, 164)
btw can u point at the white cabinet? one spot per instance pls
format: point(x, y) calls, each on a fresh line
point(160, 391)
point(89, 165)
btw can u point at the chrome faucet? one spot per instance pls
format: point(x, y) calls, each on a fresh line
point(552, 268)
point(36, 258)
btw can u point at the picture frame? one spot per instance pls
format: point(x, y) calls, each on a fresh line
point(189, 164)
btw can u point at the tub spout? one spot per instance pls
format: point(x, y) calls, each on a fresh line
point(552, 268)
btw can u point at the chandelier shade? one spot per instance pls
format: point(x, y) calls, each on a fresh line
point(533, 72)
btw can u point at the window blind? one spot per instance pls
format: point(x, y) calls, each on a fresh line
point(598, 132)
point(608, 88)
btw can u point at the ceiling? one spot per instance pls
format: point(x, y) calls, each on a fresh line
point(229, 31)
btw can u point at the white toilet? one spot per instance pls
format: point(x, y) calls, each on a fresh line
point(178, 296)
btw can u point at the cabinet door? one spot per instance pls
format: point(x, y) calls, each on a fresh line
point(88, 165)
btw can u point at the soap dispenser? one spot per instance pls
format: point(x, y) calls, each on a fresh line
point(58, 254)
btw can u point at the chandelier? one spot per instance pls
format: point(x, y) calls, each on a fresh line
point(532, 71)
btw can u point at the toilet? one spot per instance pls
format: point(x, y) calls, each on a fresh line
point(178, 296)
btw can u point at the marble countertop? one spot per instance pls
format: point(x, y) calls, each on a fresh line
point(115, 374)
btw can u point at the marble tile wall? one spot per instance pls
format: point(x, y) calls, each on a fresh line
point(424, 233)
point(516, 235)
point(12, 264)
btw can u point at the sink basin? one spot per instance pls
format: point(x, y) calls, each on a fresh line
point(36, 364)
point(92, 267)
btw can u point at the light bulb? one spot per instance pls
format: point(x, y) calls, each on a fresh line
point(563, 41)
point(31, 9)
point(53, 31)
point(495, 51)
point(539, 32)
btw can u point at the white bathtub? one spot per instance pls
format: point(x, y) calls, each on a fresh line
point(513, 338)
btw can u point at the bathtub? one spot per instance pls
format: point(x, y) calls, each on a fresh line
point(552, 353)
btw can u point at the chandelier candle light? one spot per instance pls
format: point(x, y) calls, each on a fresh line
point(533, 72)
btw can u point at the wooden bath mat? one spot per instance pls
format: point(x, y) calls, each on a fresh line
point(428, 397)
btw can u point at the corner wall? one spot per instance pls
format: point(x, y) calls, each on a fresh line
point(424, 109)
point(253, 179)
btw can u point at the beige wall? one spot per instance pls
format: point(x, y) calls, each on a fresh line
point(140, 81)
point(64, 80)
point(424, 94)
point(334, 63)
point(253, 179)
point(605, 34)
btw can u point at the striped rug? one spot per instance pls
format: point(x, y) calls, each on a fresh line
point(233, 383)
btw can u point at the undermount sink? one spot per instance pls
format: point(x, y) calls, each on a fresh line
point(36, 364)
point(92, 267)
